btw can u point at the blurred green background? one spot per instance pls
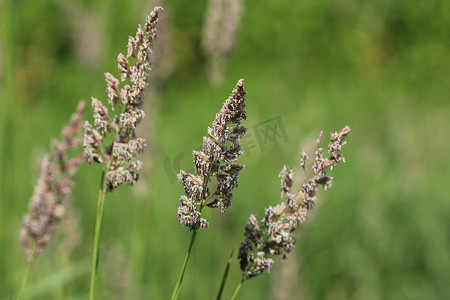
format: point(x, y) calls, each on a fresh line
point(382, 67)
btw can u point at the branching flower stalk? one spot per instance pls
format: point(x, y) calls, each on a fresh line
point(217, 161)
point(274, 234)
point(118, 158)
point(52, 192)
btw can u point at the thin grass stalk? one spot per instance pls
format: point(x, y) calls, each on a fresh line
point(98, 225)
point(118, 168)
point(24, 283)
point(218, 159)
point(98, 220)
point(225, 276)
point(236, 291)
point(177, 288)
point(26, 275)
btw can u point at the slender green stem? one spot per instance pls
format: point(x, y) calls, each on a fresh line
point(98, 225)
point(177, 288)
point(237, 290)
point(98, 221)
point(24, 281)
point(176, 291)
point(225, 276)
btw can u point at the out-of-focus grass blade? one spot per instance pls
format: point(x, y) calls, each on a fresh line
point(58, 279)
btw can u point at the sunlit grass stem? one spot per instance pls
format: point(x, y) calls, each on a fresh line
point(237, 290)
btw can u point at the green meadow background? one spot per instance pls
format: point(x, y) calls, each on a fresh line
point(381, 66)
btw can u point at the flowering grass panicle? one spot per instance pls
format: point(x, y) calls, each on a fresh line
point(118, 158)
point(274, 234)
point(216, 161)
point(221, 150)
point(127, 93)
point(54, 188)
